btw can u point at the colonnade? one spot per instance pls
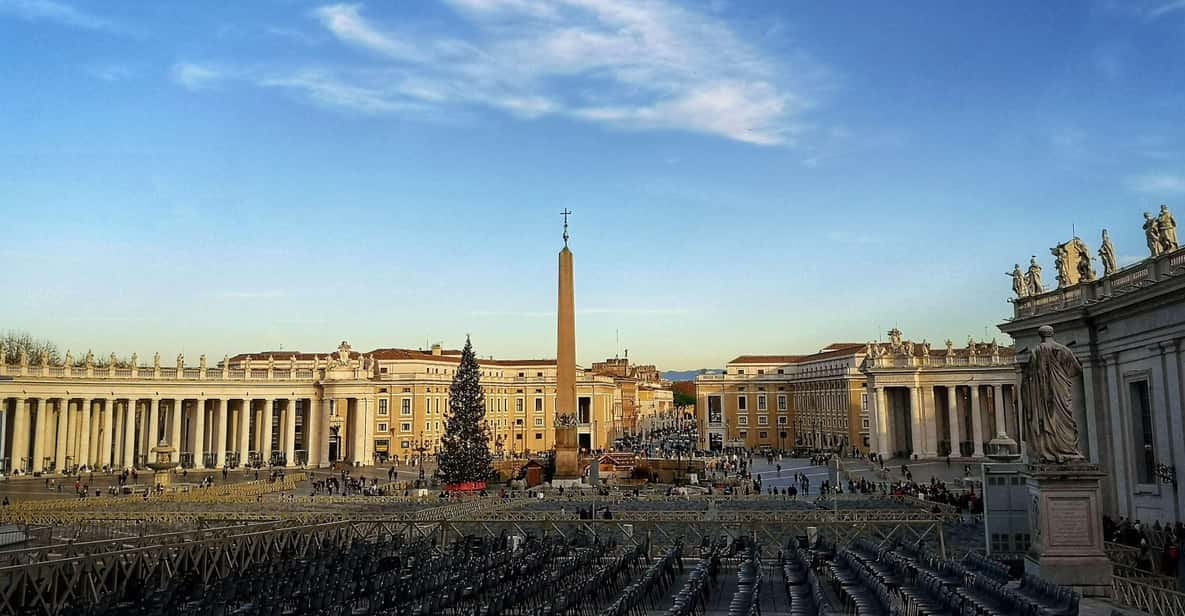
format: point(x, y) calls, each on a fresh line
point(933, 420)
point(49, 433)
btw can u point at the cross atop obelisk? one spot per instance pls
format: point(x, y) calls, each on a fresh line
point(566, 213)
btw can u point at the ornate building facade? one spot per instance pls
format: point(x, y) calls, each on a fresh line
point(284, 408)
point(1127, 329)
point(927, 403)
point(781, 401)
point(895, 398)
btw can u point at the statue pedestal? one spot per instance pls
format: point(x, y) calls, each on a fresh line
point(1066, 518)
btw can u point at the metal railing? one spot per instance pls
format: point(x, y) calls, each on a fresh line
point(1146, 597)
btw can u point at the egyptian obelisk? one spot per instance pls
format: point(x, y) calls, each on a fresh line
point(566, 335)
point(567, 454)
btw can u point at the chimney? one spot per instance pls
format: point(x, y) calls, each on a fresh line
point(436, 349)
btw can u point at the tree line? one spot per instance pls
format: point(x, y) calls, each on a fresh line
point(14, 342)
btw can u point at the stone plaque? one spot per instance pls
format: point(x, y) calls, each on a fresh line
point(1069, 522)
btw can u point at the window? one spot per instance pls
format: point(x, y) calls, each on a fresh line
point(740, 370)
point(539, 422)
point(761, 403)
point(405, 444)
point(763, 434)
point(538, 405)
point(743, 420)
point(383, 406)
point(427, 426)
point(538, 436)
point(405, 427)
point(743, 434)
point(743, 403)
point(1141, 409)
point(864, 401)
point(782, 420)
point(763, 420)
point(782, 402)
point(864, 423)
point(518, 405)
point(781, 371)
point(405, 406)
point(382, 427)
point(760, 371)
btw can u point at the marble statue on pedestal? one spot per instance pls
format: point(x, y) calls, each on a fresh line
point(1168, 230)
point(1061, 262)
point(1107, 254)
point(1152, 234)
point(156, 360)
point(69, 361)
point(1033, 278)
point(1018, 281)
point(1047, 388)
point(1083, 265)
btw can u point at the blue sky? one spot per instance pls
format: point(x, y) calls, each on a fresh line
point(746, 177)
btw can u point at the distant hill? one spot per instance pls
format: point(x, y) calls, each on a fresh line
point(688, 375)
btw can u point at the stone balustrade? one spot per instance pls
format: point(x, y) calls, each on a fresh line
point(1143, 273)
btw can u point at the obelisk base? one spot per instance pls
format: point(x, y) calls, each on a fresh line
point(567, 459)
point(1065, 515)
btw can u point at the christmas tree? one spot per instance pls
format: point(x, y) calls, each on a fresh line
point(465, 447)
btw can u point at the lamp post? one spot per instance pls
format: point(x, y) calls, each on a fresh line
point(420, 448)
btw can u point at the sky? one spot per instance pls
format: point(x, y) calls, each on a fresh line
point(745, 177)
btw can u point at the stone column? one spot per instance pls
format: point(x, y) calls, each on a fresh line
point(290, 432)
point(221, 409)
point(930, 405)
point(92, 438)
point(368, 417)
point(359, 431)
point(129, 433)
point(323, 433)
point(107, 410)
point(84, 432)
point(952, 414)
point(882, 419)
point(998, 400)
point(63, 432)
point(312, 433)
point(244, 431)
point(41, 434)
point(199, 434)
point(153, 425)
point(266, 430)
point(20, 434)
point(917, 421)
point(175, 426)
point(976, 422)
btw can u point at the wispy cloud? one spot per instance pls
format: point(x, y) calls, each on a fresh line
point(55, 12)
point(1164, 9)
point(659, 65)
point(195, 77)
point(1157, 183)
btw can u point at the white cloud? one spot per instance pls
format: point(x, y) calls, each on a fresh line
point(196, 76)
point(1156, 13)
point(57, 12)
point(635, 66)
point(1157, 183)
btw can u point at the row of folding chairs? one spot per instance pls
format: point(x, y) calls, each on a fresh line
point(746, 600)
point(692, 597)
point(643, 595)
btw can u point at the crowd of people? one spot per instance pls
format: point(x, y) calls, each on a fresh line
point(1159, 545)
